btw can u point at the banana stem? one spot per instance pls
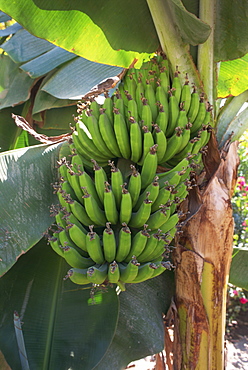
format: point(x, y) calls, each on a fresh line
point(171, 42)
point(208, 69)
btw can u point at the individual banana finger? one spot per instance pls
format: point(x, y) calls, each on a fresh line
point(138, 243)
point(109, 243)
point(124, 243)
point(113, 272)
point(74, 258)
point(98, 274)
point(94, 247)
point(145, 272)
point(149, 167)
point(78, 276)
point(109, 202)
point(129, 271)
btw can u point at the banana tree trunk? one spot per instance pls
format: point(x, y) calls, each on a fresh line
point(202, 259)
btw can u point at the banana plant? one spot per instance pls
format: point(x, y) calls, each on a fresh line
point(198, 40)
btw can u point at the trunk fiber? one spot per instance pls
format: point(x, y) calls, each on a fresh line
point(202, 258)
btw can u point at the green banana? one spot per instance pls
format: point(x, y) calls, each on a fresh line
point(134, 184)
point(65, 239)
point(170, 223)
point(87, 156)
point(162, 198)
point(116, 183)
point(62, 166)
point(54, 243)
point(73, 178)
point(113, 272)
point(149, 167)
point(119, 102)
point(128, 272)
point(79, 212)
point(77, 163)
point(125, 206)
point(94, 109)
point(95, 213)
point(136, 140)
point(109, 243)
point(173, 145)
point(145, 272)
point(130, 84)
point(94, 247)
point(150, 247)
point(86, 142)
point(109, 202)
point(146, 114)
point(139, 218)
point(108, 133)
point(100, 177)
point(159, 218)
point(185, 98)
point(162, 118)
point(140, 93)
point(78, 276)
point(148, 142)
point(108, 106)
point(194, 105)
point(161, 141)
point(98, 274)
point(138, 243)
point(176, 85)
point(77, 236)
point(162, 100)
point(152, 190)
point(122, 134)
point(182, 119)
point(124, 243)
point(151, 99)
point(161, 267)
point(198, 122)
point(173, 114)
point(74, 258)
point(132, 108)
point(97, 137)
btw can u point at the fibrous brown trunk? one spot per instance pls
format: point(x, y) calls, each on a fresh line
point(202, 258)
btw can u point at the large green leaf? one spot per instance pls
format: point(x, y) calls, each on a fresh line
point(44, 63)
point(23, 46)
point(61, 327)
point(15, 84)
point(193, 31)
point(239, 268)
point(99, 31)
point(26, 176)
point(140, 330)
point(233, 77)
point(230, 34)
point(77, 77)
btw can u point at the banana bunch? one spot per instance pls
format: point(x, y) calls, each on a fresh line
point(149, 108)
point(116, 229)
point(130, 167)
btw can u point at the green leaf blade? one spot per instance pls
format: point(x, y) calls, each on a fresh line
point(26, 176)
point(61, 329)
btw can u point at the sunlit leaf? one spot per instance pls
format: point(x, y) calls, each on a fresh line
point(102, 31)
point(233, 77)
